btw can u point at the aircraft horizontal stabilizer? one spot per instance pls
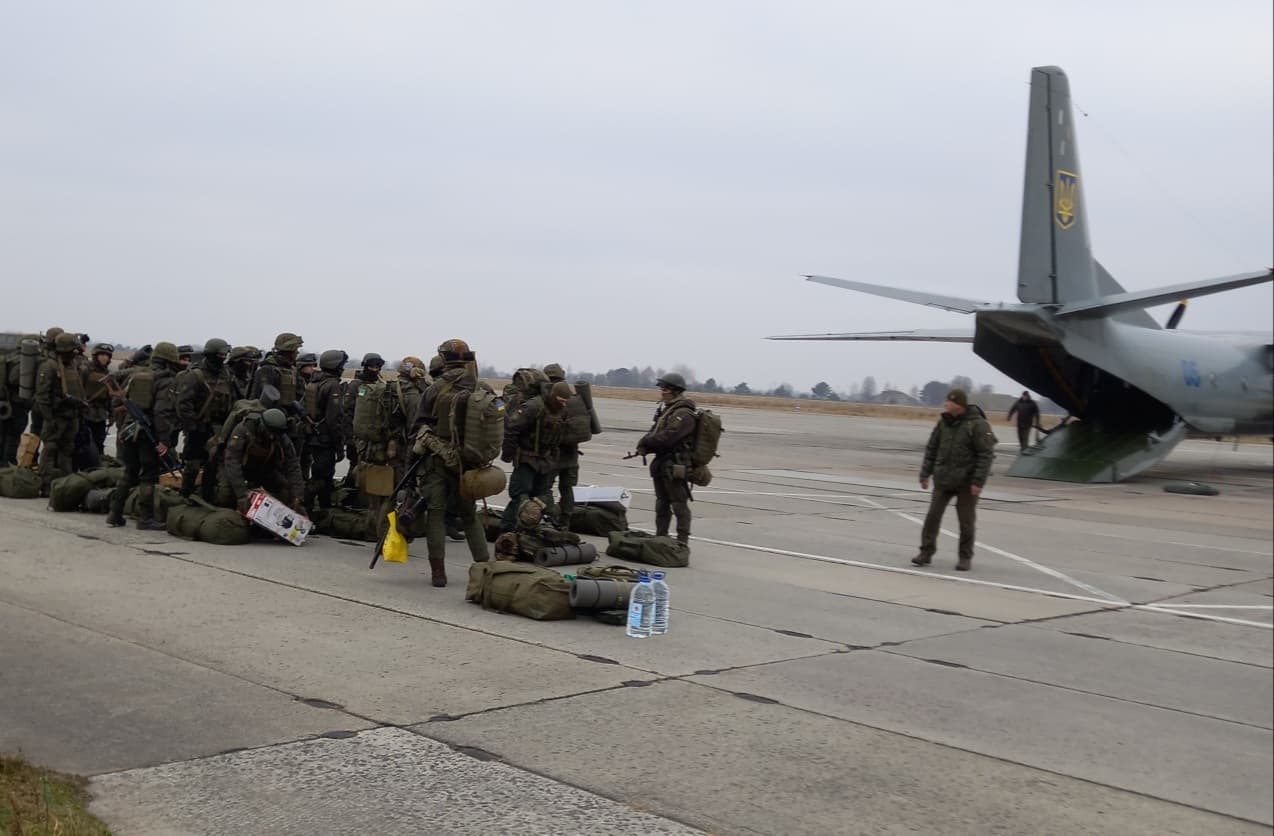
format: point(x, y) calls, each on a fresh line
point(956, 335)
point(1115, 302)
point(933, 300)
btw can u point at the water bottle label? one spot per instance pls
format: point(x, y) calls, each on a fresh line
point(635, 614)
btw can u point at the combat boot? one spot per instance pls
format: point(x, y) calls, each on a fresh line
point(149, 523)
point(115, 519)
point(964, 564)
point(438, 571)
point(922, 559)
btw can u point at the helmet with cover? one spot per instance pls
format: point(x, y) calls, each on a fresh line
point(274, 420)
point(332, 360)
point(65, 343)
point(672, 380)
point(167, 352)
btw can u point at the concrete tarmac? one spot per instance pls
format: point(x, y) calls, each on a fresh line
point(1106, 666)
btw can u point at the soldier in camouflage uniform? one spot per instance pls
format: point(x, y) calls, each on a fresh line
point(242, 362)
point(567, 474)
point(203, 399)
point(141, 447)
point(532, 444)
point(260, 454)
point(47, 344)
point(958, 457)
point(670, 439)
point(98, 413)
point(327, 439)
point(368, 373)
point(279, 370)
point(59, 400)
point(438, 478)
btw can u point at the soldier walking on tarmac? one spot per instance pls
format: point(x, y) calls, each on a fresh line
point(958, 457)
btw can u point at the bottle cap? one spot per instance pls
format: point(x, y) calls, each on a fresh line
point(660, 576)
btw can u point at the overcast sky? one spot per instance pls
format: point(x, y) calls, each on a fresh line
point(606, 184)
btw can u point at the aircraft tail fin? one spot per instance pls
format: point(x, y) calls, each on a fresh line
point(1055, 262)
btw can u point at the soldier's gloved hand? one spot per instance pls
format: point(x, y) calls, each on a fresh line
point(243, 503)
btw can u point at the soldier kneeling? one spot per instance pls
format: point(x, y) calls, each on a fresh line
point(260, 454)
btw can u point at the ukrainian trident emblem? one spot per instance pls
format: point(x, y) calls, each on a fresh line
point(1065, 199)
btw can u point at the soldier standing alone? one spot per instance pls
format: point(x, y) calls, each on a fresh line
point(670, 440)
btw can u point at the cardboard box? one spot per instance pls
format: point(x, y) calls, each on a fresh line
point(272, 515)
point(28, 445)
point(596, 495)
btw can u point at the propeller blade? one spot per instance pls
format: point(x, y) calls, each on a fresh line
point(1177, 313)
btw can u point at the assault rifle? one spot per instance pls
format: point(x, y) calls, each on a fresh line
point(413, 508)
point(168, 461)
point(635, 455)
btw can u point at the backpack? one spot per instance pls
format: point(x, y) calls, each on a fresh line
point(707, 436)
point(480, 428)
point(520, 588)
point(578, 426)
point(241, 409)
point(373, 407)
point(598, 520)
point(527, 383)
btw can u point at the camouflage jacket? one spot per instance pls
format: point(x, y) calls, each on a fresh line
point(323, 396)
point(670, 438)
point(203, 399)
point(59, 390)
point(252, 450)
point(533, 435)
point(959, 451)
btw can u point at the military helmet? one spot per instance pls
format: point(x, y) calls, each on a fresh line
point(371, 358)
point(288, 342)
point(244, 352)
point(274, 419)
point(269, 396)
point(166, 352)
point(216, 346)
point(52, 334)
point(435, 365)
point(103, 348)
point(309, 358)
point(554, 372)
point(673, 381)
point(561, 389)
point(64, 343)
point(455, 349)
point(332, 360)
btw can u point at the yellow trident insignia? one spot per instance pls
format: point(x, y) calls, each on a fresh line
point(1065, 198)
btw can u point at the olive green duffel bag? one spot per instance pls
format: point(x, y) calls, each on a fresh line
point(67, 492)
point(520, 588)
point(19, 483)
point(224, 527)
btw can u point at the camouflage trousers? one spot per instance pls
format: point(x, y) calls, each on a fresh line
point(672, 498)
point(440, 488)
point(57, 446)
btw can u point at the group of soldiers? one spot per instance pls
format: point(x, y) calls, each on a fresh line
point(283, 421)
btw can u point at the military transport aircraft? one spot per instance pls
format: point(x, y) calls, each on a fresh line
point(1083, 341)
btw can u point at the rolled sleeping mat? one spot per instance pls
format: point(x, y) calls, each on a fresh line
point(28, 362)
point(566, 555)
point(585, 392)
point(600, 594)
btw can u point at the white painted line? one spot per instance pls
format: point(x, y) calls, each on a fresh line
point(1105, 602)
point(1179, 543)
point(1216, 606)
point(1053, 573)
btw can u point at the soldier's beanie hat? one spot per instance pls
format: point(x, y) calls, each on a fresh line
point(307, 359)
point(166, 351)
point(554, 372)
point(66, 342)
point(561, 389)
point(371, 358)
point(288, 342)
point(185, 350)
point(436, 364)
point(958, 396)
point(103, 348)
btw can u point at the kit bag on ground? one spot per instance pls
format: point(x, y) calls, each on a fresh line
point(184, 520)
point(346, 524)
point(19, 483)
point(520, 588)
point(105, 477)
point(647, 548)
point(224, 527)
point(67, 493)
point(98, 500)
point(599, 520)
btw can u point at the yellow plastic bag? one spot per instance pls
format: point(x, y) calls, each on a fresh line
point(395, 548)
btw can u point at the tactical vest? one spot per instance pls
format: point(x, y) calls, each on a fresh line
point(374, 409)
point(216, 405)
point(549, 431)
point(141, 388)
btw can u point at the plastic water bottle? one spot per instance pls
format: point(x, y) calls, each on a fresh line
point(659, 624)
point(641, 608)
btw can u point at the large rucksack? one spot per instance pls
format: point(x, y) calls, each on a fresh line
point(241, 409)
point(481, 426)
point(527, 383)
point(374, 405)
point(707, 436)
point(578, 426)
point(520, 588)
